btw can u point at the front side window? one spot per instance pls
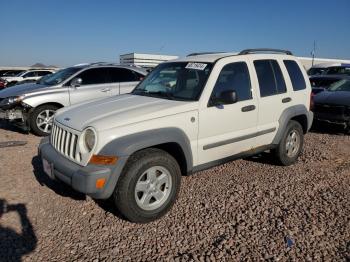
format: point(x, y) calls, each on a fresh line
point(176, 80)
point(234, 77)
point(30, 74)
point(60, 76)
point(94, 76)
point(295, 74)
point(271, 81)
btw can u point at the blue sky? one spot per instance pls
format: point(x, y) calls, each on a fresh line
point(68, 32)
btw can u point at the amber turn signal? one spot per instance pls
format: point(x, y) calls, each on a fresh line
point(103, 160)
point(100, 183)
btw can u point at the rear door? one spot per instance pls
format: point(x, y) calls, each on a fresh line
point(95, 84)
point(274, 97)
point(127, 79)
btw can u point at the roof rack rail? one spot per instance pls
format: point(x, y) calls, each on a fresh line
point(205, 53)
point(266, 50)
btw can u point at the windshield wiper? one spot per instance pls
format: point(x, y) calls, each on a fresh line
point(157, 93)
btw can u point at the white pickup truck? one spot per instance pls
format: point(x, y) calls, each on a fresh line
point(187, 115)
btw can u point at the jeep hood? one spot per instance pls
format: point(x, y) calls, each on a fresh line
point(333, 98)
point(18, 90)
point(119, 111)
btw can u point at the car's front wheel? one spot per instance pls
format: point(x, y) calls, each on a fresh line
point(41, 119)
point(148, 186)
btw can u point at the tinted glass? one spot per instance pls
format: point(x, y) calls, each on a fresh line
point(122, 75)
point(322, 82)
point(342, 85)
point(94, 76)
point(271, 81)
point(30, 74)
point(177, 81)
point(60, 76)
point(43, 73)
point(234, 77)
point(295, 74)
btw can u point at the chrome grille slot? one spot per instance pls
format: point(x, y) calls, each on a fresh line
point(65, 142)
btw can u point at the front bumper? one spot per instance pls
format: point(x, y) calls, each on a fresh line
point(82, 178)
point(13, 114)
point(333, 118)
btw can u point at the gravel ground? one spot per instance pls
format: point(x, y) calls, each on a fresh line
point(244, 210)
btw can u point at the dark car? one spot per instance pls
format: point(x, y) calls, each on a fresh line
point(333, 104)
point(343, 69)
point(322, 82)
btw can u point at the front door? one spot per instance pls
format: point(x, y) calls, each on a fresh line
point(226, 130)
point(95, 85)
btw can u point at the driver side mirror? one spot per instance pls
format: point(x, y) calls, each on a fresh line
point(76, 82)
point(224, 98)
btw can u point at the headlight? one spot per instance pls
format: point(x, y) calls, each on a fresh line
point(89, 139)
point(11, 100)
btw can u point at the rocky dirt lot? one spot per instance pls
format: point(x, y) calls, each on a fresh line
point(244, 210)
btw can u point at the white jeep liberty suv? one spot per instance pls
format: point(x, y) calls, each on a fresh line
point(187, 115)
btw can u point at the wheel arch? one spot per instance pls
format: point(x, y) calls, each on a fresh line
point(172, 140)
point(297, 113)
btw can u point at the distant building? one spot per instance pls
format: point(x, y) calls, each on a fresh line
point(144, 60)
point(307, 62)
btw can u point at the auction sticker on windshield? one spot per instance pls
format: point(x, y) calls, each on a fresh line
point(196, 66)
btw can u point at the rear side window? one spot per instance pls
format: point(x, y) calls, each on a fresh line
point(295, 74)
point(122, 75)
point(234, 77)
point(271, 81)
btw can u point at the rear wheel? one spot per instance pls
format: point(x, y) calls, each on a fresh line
point(148, 186)
point(41, 119)
point(291, 144)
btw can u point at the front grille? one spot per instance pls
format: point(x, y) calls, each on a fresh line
point(329, 109)
point(65, 142)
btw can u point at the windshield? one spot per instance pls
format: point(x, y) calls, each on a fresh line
point(177, 81)
point(342, 85)
point(338, 70)
point(60, 76)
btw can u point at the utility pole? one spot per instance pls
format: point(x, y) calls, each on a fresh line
point(313, 53)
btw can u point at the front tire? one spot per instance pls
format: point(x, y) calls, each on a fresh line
point(291, 144)
point(41, 119)
point(148, 186)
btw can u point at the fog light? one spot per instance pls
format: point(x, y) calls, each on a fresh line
point(100, 183)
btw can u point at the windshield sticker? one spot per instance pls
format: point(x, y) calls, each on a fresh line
point(196, 66)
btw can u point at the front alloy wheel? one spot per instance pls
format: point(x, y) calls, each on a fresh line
point(41, 119)
point(148, 186)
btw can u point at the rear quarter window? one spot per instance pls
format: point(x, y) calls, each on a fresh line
point(295, 75)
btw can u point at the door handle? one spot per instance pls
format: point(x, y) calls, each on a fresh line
point(105, 89)
point(286, 100)
point(248, 108)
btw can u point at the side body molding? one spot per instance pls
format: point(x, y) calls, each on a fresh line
point(127, 145)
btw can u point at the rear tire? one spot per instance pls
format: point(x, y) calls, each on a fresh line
point(148, 186)
point(41, 119)
point(291, 144)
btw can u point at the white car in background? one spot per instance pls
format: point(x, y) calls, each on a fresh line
point(27, 76)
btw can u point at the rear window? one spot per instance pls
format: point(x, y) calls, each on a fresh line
point(271, 81)
point(295, 74)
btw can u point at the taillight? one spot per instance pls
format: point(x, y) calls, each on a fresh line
point(312, 95)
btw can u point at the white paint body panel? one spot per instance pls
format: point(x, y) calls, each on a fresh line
point(128, 114)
